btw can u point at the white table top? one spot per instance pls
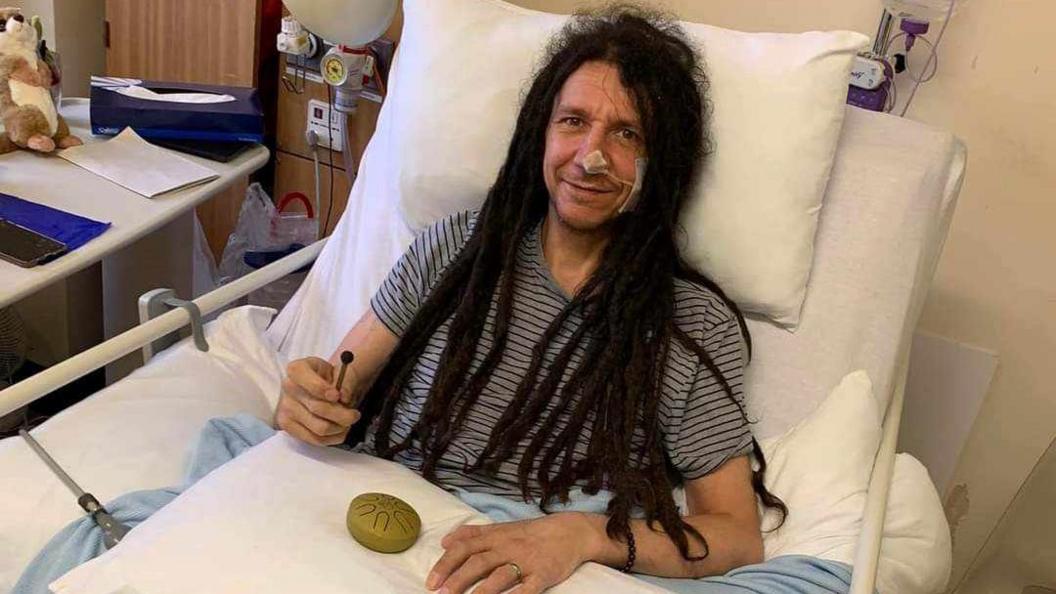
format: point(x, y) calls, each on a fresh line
point(55, 182)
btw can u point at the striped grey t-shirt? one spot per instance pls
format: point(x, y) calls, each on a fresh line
point(702, 428)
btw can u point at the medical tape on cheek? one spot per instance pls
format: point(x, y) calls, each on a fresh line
point(636, 189)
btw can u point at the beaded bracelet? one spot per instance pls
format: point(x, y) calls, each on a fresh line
point(631, 553)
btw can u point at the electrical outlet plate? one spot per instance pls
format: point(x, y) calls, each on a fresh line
point(319, 113)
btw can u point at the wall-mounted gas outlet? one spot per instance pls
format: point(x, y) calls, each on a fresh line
point(319, 113)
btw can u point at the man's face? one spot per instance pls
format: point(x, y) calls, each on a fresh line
point(593, 111)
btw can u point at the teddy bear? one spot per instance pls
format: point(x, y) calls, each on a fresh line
point(26, 106)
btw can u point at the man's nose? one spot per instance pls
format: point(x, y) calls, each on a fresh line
point(593, 141)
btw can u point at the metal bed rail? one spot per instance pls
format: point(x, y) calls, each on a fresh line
point(867, 551)
point(60, 374)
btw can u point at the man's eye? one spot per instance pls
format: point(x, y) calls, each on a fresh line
point(628, 134)
point(571, 121)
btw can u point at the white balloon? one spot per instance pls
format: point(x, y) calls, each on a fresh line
point(349, 22)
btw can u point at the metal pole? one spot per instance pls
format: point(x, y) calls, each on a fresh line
point(882, 33)
point(59, 472)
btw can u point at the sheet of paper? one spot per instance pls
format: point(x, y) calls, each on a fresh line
point(131, 162)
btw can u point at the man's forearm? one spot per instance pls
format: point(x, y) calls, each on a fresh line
point(730, 545)
point(372, 343)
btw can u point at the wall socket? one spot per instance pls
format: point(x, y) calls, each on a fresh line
point(319, 113)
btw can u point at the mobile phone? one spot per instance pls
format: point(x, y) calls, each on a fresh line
point(26, 247)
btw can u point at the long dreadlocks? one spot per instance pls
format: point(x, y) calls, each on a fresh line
point(626, 306)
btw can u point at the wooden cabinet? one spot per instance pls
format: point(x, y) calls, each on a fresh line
point(206, 41)
point(227, 42)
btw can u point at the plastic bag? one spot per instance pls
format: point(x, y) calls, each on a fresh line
point(263, 234)
point(262, 227)
point(288, 228)
point(251, 232)
point(204, 276)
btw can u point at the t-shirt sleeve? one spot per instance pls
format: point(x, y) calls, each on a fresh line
point(419, 268)
point(714, 427)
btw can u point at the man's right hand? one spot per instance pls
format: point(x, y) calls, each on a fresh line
point(310, 407)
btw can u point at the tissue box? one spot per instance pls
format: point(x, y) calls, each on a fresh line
point(177, 111)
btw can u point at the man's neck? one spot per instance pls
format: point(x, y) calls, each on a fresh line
point(572, 255)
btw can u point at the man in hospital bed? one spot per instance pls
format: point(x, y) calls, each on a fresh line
point(556, 341)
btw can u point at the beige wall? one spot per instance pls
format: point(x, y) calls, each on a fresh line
point(74, 28)
point(1021, 551)
point(79, 38)
point(996, 283)
point(42, 8)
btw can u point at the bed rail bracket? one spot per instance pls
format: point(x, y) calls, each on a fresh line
point(156, 302)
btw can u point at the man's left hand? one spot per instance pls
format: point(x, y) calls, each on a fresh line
point(546, 550)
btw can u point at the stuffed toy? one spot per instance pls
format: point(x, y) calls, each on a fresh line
point(27, 109)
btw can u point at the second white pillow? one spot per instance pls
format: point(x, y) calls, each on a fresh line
point(821, 468)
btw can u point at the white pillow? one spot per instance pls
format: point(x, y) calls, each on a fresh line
point(821, 469)
point(778, 103)
point(916, 555)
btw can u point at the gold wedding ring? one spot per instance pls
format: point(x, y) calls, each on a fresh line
point(516, 570)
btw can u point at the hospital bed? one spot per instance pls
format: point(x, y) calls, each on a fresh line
point(886, 212)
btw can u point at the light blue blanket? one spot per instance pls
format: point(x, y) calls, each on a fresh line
point(223, 439)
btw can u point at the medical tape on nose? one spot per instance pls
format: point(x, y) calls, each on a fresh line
point(595, 164)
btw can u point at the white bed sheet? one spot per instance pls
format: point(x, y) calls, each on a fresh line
point(136, 434)
point(298, 527)
point(257, 525)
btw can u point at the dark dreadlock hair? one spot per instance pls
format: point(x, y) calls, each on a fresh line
point(627, 305)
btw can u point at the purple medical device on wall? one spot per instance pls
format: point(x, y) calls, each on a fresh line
point(872, 99)
point(873, 73)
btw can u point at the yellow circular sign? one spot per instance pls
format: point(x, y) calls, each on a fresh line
point(334, 70)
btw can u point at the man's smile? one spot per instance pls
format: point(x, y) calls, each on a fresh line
point(586, 187)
